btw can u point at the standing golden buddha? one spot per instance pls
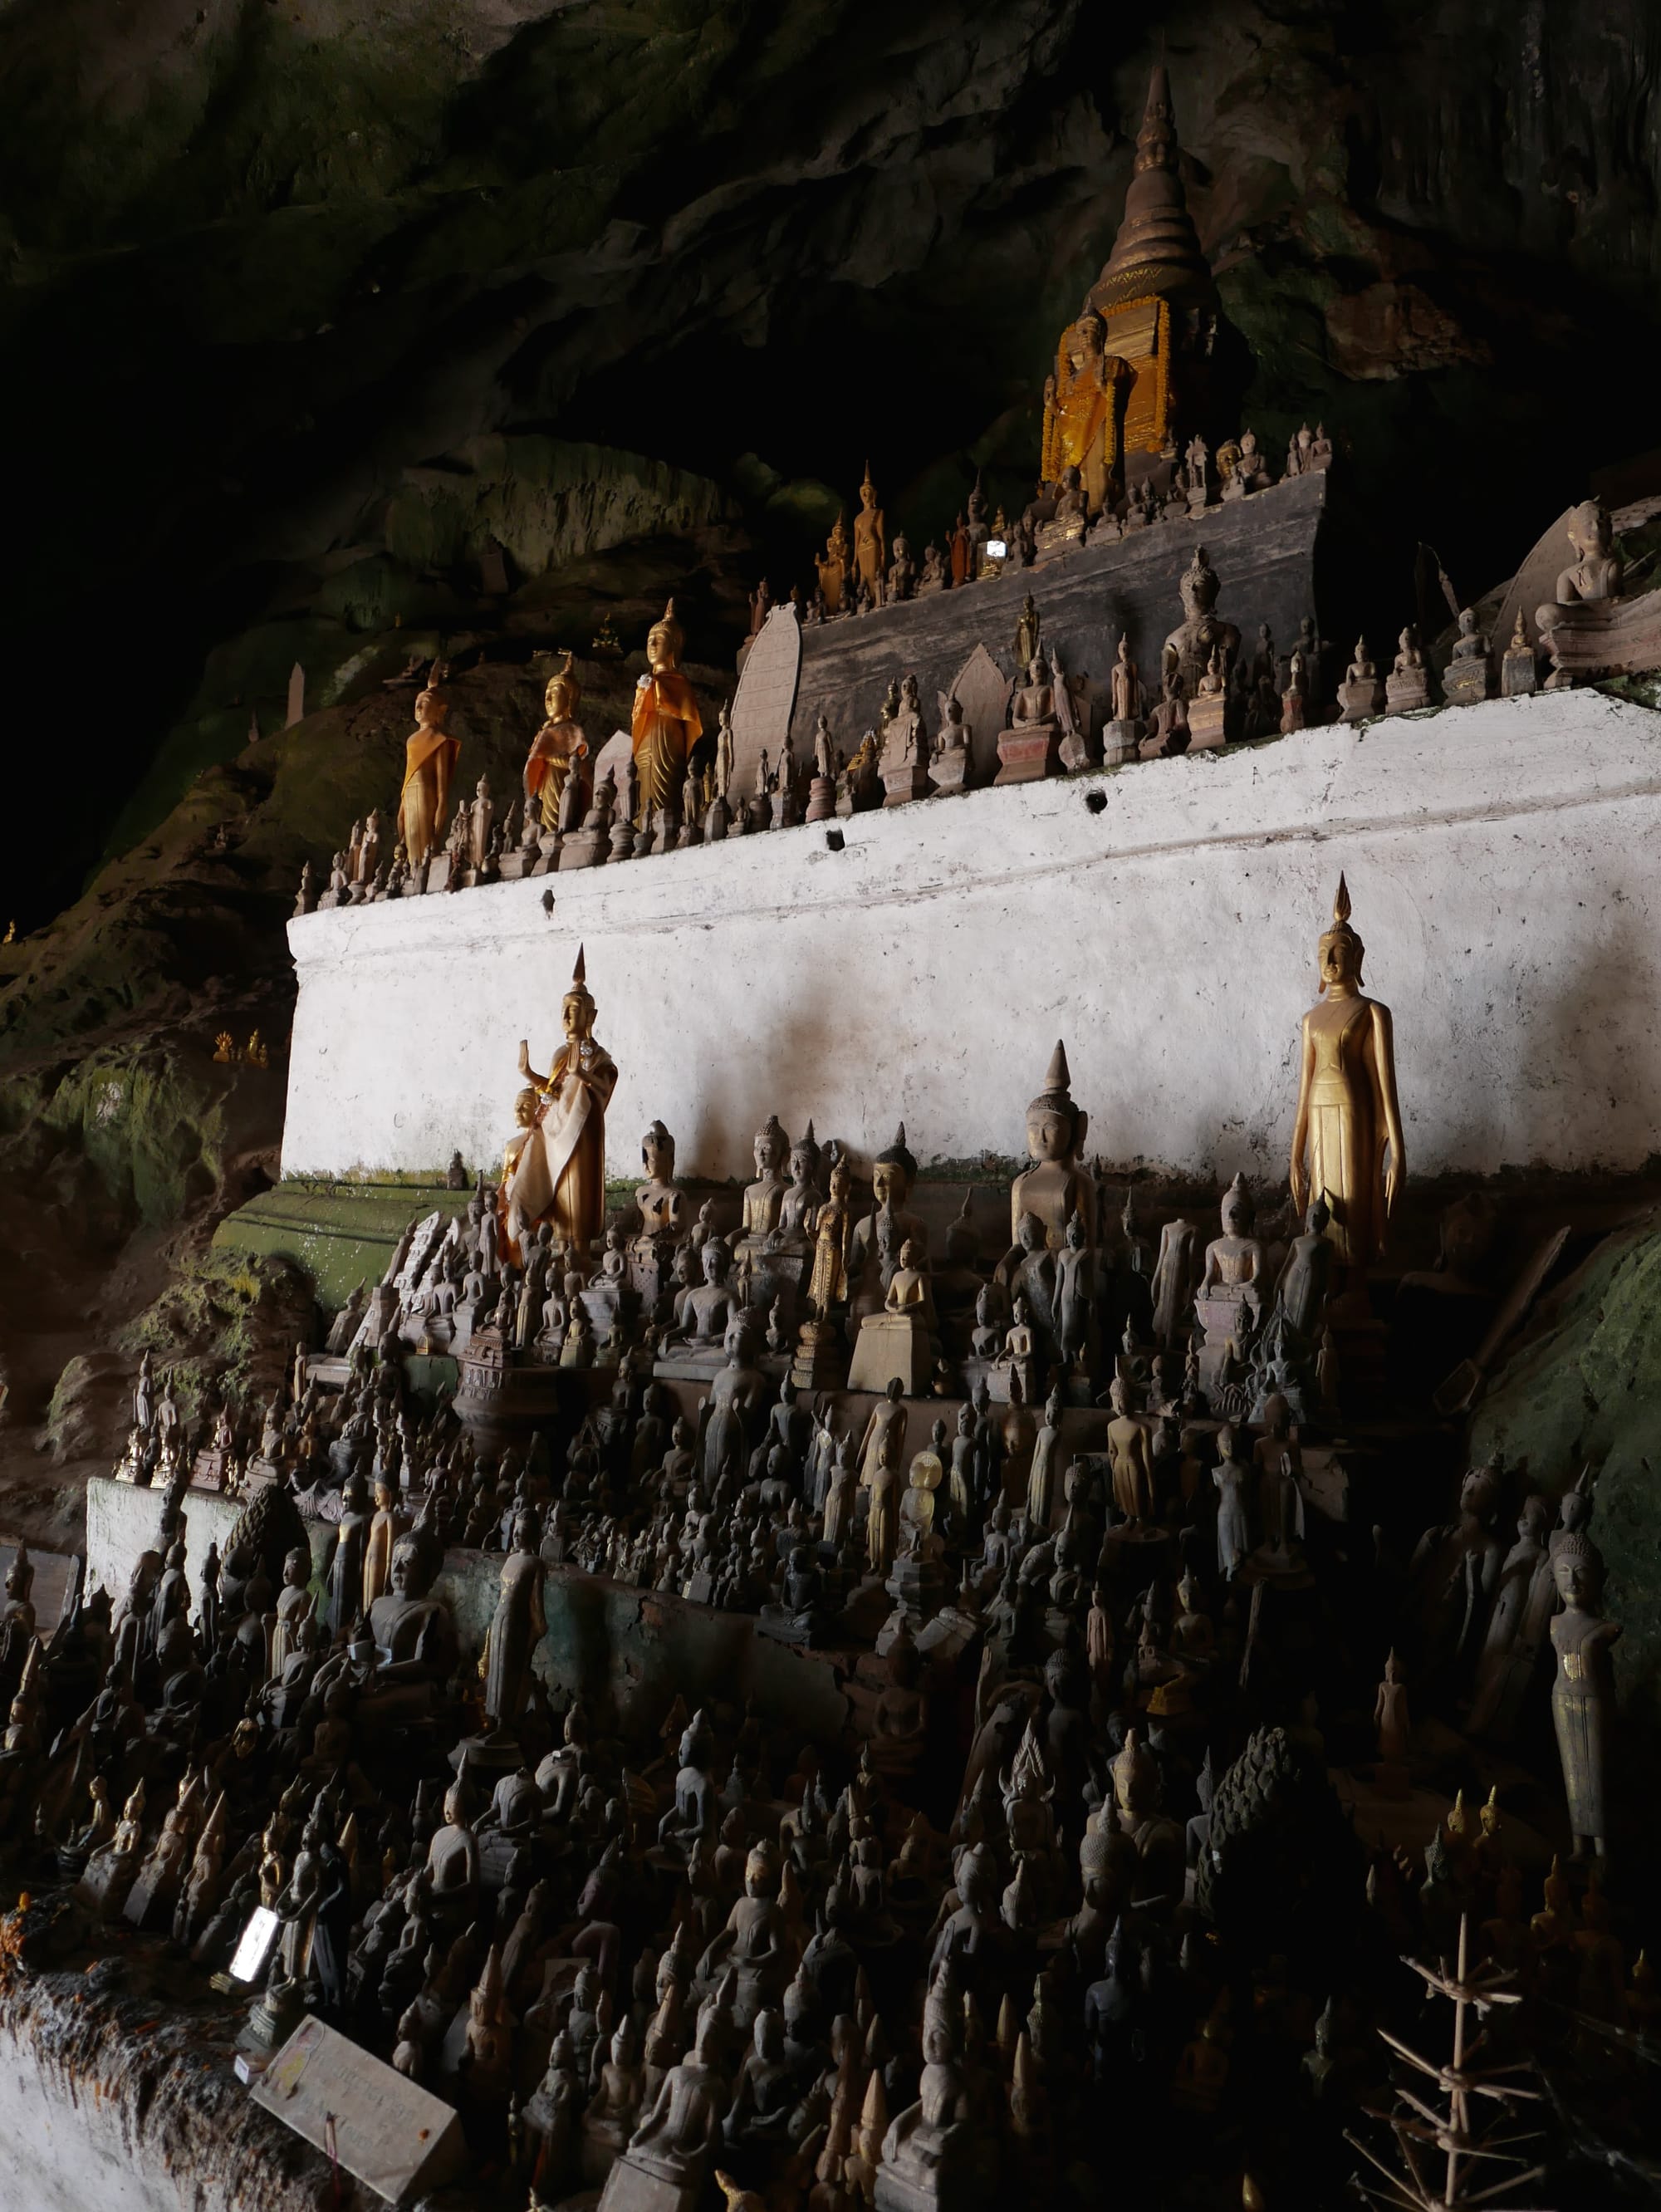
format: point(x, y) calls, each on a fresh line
point(1347, 1141)
point(667, 723)
point(430, 754)
point(559, 1174)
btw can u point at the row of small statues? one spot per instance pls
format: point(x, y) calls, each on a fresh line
point(860, 572)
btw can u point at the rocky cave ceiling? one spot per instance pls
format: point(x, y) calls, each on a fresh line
point(266, 256)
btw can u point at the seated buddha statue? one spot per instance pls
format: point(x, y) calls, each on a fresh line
point(763, 1197)
point(703, 1313)
point(875, 1252)
point(1234, 1265)
point(1187, 652)
point(833, 565)
point(802, 1198)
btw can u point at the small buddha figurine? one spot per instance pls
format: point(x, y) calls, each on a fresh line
point(834, 566)
point(557, 747)
point(1131, 1457)
point(430, 755)
point(1305, 1280)
point(1408, 686)
point(1583, 1695)
point(666, 722)
point(1468, 678)
point(902, 570)
point(1055, 1186)
point(934, 576)
point(1033, 702)
point(951, 762)
point(452, 1854)
point(1347, 1145)
point(878, 1239)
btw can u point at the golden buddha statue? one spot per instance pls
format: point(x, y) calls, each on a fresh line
point(870, 543)
point(666, 724)
point(558, 743)
point(1348, 1119)
point(559, 1172)
point(833, 565)
point(430, 754)
point(1110, 409)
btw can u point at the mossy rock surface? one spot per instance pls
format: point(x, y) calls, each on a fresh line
point(1586, 1387)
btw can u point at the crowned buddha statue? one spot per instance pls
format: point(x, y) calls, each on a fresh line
point(560, 1174)
point(430, 754)
point(870, 545)
point(1188, 651)
point(1055, 1186)
point(1030, 747)
point(763, 1197)
point(1347, 1146)
point(555, 749)
point(666, 721)
point(803, 1198)
point(661, 1206)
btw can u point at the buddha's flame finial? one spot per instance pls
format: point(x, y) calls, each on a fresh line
point(1341, 903)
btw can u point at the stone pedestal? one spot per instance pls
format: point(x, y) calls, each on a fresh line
point(785, 812)
point(517, 864)
point(890, 1344)
point(1466, 681)
point(1361, 701)
point(821, 798)
point(1206, 717)
point(716, 819)
point(1028, 752)
point(1406, 692)
point(690, 835)
point(208, 1469)
point(583, 849)
point(1293, 713)
point(903, 783)
point(1075, 752)
point(820, 1361)
point(665, 831)
point(918, 1586)
point(632, 2188)
point(950, 771)
point(624, 839)
point(1119, 741)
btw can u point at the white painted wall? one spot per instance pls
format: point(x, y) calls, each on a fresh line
point(1501, 858)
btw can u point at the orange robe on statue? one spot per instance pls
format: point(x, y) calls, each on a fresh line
point(666, 727)
point(429, 760)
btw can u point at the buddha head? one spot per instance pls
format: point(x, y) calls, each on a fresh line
point(663, 643)
point(433, 702)
point(410, 1572)
point(867, 491)
point(1589, 529)
point(805, 1160)
point(1237, 1209)
point(772, 1149)
point(1342, 951)
point(1199, 586)
point(894, 1172)
point(1318, 1217)
point(1056, 1128)
point(658, 1154)
point(1576, 1568)
point(560, 700)
point(576, 1011)
point(524, 1107)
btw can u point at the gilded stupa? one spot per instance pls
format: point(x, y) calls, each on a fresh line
point(1120, 367)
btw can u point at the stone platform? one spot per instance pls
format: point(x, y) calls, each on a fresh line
point(920, 963)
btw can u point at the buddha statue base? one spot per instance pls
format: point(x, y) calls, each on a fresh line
point(1406, 690)
point(584, 849)
point(664, 833)
point(903, 783)
point(716, 820)
point(1027, 753)
point(889, 1345)
point(1119, 741)
point(1207, 715)
point(209, 1469)
point(820, 1361)
point(690, 835)
point(786, 812)
point(1467, 683)
point(1361, 699)
point(548, 853)
point(624, 840)
point(950, 771)
point(1075, 752)
point(630, 2187)
point(517, 864)
point(918, 1586)
point(821, 798)
point(1057, 538)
